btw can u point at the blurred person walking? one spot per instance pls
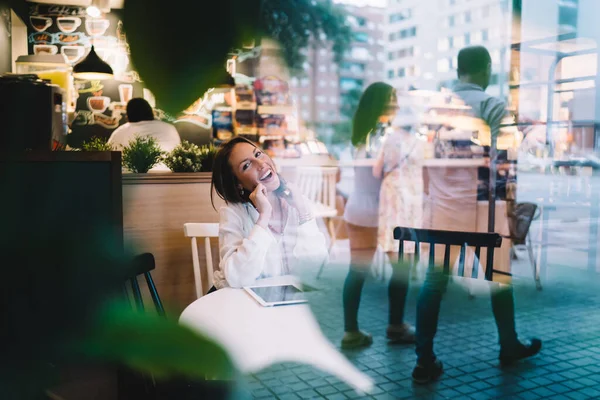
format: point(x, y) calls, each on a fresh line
point(474, 74)
point(376, 107)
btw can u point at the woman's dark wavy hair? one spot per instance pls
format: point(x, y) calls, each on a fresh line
point(224, 181)
point(372, 104)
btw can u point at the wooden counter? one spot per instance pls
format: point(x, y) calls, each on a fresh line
point(155, 207)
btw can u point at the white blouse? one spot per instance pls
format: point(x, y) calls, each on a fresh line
point(249, 252)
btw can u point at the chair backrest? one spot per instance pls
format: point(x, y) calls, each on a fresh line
point(318, 184)
point(520, 216)
point(201, 230)
point(451, 238)
point(142, 265)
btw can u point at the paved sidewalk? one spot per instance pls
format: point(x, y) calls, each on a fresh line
point(565, 315)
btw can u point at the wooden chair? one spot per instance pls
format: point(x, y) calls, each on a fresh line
point(206, 231)
point(318, 184)
point(142, 265)
point(520, 217)
point(490, 241)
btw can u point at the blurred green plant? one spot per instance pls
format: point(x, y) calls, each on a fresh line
point(96, 144)
point(153, 344)
point(208, 157)
point(183, 76)
point(294, 23)
point(186, 157)
point(141, 154)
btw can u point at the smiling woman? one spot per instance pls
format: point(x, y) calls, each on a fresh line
point(266, 224)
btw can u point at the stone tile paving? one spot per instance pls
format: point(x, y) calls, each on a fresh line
point(565, 315)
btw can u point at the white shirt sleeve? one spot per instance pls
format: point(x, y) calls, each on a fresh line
point(242, 259)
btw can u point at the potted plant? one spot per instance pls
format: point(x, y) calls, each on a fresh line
point(96, 144)
point(141, 154)
point(207, 157)
point(187, 157)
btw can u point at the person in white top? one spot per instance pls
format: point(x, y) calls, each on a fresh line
point(267, 227)
point(142, 123)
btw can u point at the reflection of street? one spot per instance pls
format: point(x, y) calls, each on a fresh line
point(568, 226)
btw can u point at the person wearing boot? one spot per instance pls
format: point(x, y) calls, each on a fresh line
point(474, 73)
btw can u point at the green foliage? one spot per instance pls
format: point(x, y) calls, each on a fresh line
point(295, 22)
point(155, 345)
point(141, 154)
point(182, 77)
point(187, 157)
point(198, 47)
point(96, 144)
point(208, 156)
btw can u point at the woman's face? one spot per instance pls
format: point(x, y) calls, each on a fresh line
point(251, 166)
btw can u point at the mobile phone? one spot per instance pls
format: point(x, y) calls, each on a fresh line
point(283, 190)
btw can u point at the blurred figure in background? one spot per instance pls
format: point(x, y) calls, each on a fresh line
point(376, 106)
point(141, 123)
point(400, 204)
point(474, 73)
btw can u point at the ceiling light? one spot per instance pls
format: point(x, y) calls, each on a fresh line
point(92, 67)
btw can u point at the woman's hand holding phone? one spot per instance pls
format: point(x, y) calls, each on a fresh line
point(258, 197)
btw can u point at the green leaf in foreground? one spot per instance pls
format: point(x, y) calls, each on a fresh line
point(156, 345)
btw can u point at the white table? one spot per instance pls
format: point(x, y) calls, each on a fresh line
point(256, 337)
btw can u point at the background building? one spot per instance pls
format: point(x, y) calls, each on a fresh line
point(423, 39)
point(326, 94)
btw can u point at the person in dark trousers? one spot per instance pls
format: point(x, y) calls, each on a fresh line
point(474, 72)
point(377, 106)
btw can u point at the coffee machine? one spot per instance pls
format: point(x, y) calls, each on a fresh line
point(33, 114)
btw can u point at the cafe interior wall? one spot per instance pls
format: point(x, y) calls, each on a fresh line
point(5, 44)
point(100, 105)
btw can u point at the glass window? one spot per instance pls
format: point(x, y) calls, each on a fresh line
point(485, 35)
point(467, 39)
point(476, 37)
point(391, 55)
point(443, 65)
point(305, 99)
point(361, 37)
point(353, 67)
point(401, 72)
point(451, 20)
point(443, 44)
point(459, 41)
point(485, 11)
point(360, 53)
point(350, 83)
point(333, 100)
point(468, 17)
point(495, 54)
point(320, 99)
point(390, 74)
point(304, 82)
